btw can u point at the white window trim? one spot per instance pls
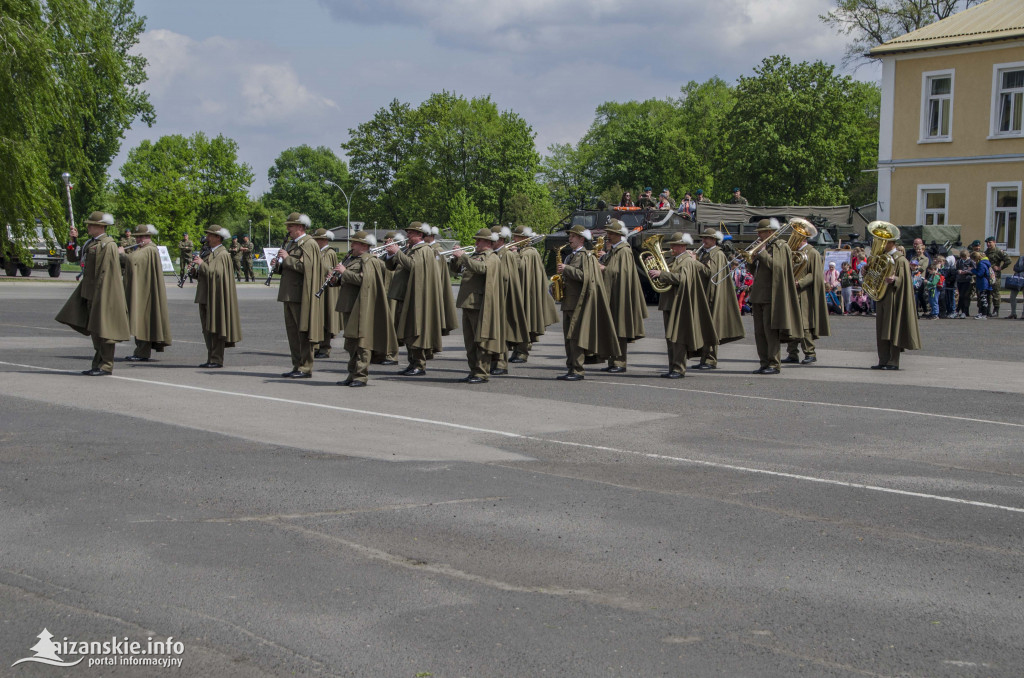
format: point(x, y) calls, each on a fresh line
point(993, 132)
point(990, 227)
point(921, 204)
point(923, 137)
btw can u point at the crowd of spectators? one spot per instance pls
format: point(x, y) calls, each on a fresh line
point(663, 201)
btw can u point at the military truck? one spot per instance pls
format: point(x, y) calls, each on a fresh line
point(23, 254)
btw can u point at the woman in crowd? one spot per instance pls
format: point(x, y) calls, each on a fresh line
point(626, 200)
point(848, 279)
point(982, 283)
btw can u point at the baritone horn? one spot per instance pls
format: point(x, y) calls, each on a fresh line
point(652, 258)
point(802, 230)
point(880, 264)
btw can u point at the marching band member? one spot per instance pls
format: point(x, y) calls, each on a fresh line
point(896, 327)
point(538, 306)
point(773, 298)
point(329, 299)
point(390, 358)
point(512, 289)
point(587, 324)
point(625, 294)
point(687, 316)
point(482, 300)
point(363, 305)
point(302, 274)
point(217, 298)
point(810, 289)
point(146, 296)
point(97, 308)
point(417, 289)
point(721, 298)
point(451, 318)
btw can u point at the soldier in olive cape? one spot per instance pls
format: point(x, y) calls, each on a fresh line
point(450, 317)
point(810, 287)
point(721, 298)
point(689, 325)
point(773, 297)
point(516, 331)
point(329, 299)
point(363, 304)
point(420, 313)
point(247, 251)
point(587, 323)
point(302, 274)
point(184, 254)
point(538, 305)
point(625, 294)
point(146, 296)
point(217, 298)
point(236, 257)
point(484, 319)
point(390, 358)
point(97, 307)
point(896, 328)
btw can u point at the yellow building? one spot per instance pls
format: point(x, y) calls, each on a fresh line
point(951, 138)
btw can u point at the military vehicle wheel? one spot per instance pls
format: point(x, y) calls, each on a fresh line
point(24, 270)
point(11, 269)
point(53, 270)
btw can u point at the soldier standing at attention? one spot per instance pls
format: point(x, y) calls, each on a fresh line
point(184, 254)
point(538, 305)
point(420, 312)
point(236, 258)
point(217, 298)
point(999, 260)
point(810, 288)
point(725, 311)
point(625, 295)
point(687, 316)
point(773, 297)
point(736, 198)
point(301, 277)
point(482, 303)
point(587, 323)
point(247, 252)
point(365, 313)
point(126, 240)
point(97, 307)
point(144, 291)
point(329, 299)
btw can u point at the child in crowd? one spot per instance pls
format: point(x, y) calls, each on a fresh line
point(931, 293)
point(860, 304)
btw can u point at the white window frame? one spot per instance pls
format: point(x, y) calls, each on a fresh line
point(922, 205)
point(926, 79)
point(993, 132)
point(990, 206)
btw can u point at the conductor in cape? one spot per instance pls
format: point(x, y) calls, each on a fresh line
point(146, 296)
point(587, 324)
point(97, 308)
point(773, 296)
point(302, 275)
point(217, 298)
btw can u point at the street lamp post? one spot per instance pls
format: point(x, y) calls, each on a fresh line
point(348, 211)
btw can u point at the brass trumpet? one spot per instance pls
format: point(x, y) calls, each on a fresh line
point(748, 254)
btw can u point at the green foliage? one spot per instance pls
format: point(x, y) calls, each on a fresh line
point(297, 184)
point(464, 220)
point(70, 89)
point(415, 161)
point(570, 174)
point(182, 184)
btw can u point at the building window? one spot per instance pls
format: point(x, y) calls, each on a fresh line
point(937, 106)
point(931, 204)
point(1003, 219)
point(1008, 103)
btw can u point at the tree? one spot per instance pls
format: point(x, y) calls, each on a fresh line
point(800, 134)
point(181, 183)
point(464, 220)
point(70, 88)
point(570, 174)
point(297, 183)
point(873, 22)
point(700, 139)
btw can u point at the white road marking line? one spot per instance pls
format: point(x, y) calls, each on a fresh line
point(68, 329)
point(552, 441)
point(816, 402)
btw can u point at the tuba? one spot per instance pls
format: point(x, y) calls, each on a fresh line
point(652, 258)
point(880, 264)
point(557, 286)
point(802, 230)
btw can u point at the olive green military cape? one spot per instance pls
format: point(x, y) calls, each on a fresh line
point(420, 318)
point(689, 316)
point(895, 312)
point(311, 317)
point(147, 298)
point(625, 295)
point(538, 305)
point(785, 304)
point(725, 311)
point(370, 322)
point(329, 299)
point(811, 290)
point(217, 290)
point(592, 327)
point(517, 329)
point(493, 326)
point(107, 316)
point(449, 314)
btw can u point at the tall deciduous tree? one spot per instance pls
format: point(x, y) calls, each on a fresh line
point(464, 219)
point(297, 183)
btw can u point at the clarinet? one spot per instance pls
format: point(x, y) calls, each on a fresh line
point(192, 270)
point(331, 277)
point(273, 263)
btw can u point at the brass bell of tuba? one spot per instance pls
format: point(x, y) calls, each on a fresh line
point(802, 230)
point(880, 264)
point(652, 258)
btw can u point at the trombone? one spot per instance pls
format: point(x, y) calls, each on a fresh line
point(748, 254)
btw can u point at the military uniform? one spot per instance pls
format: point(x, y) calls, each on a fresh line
point(997, 257)
point(146, 296)
point(587, 325)
point(896, 327)
point(538, 305)
point(773, 300)
point(184, 256)
point(515, 313)
point(97, 308)
point(722, 299)
point(813, 308)
point(126, 240)
point(329, 299)
point(420, 316)
point(685, 311)
point(365, 314)
point(625, 295)
point(737, 200)
point(236, 258)
point(247, 252)
point(301, 277)
point(218, 302)
point(482, 304)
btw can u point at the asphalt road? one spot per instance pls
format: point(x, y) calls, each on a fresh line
point(831, 521)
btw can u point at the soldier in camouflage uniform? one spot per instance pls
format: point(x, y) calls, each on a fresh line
point(247, 251)
point(999, 260)
point(736, 198)
point(126, 240)
point(236, 258)
point(184, 254)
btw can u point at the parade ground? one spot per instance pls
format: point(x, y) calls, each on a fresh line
point(829, 521)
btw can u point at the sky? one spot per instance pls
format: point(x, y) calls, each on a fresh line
point(276, 74)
